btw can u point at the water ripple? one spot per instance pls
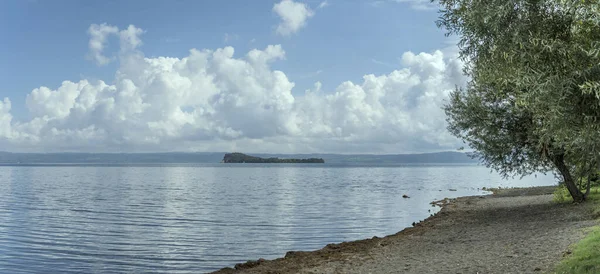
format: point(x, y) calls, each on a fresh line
point(190, 219)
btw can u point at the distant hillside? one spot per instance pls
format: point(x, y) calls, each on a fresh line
point(216, 157)
point(110, 158)
point(243, 158)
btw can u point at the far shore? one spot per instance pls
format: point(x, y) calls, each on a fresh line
point(519, 230)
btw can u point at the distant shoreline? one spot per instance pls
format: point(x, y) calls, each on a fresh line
point(6, 158)
point(236, 157)
point(512, 231)
point(220, 165)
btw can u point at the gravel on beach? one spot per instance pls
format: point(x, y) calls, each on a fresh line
point(513, 231)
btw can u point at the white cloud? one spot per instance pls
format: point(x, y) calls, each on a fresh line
point(228, 37)
point(414, 4)
point(418, 4)
point(376, 4)
point(99, 34)
point(387, 64)
point(217, 100)
point(323, 4)
point(130, 38)
point(293, 16)
point(5, 119)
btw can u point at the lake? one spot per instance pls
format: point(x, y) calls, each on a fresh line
point(198, 218)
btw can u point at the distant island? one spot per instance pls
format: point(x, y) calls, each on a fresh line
point(243, 158)
point(161, 158)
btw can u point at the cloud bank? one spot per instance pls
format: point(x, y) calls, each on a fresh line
point(217, 100)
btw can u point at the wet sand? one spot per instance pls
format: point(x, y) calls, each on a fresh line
point(512, 231)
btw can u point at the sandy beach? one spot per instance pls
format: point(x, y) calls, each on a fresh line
point(512, 231)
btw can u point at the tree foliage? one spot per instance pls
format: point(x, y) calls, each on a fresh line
point(533, 101)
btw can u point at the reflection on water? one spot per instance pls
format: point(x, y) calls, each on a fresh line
point(191, 219)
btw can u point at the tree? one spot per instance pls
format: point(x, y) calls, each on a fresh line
point(533, 101)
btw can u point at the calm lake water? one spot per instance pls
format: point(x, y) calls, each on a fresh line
point(190, 219)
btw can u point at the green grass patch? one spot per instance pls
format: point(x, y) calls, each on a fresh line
point(585, 257)
point(586, 253)
point(561, 195)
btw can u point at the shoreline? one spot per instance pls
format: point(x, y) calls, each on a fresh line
point(511, 230)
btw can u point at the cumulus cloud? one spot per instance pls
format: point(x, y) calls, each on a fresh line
point(220, 100)
point(98, 40)
point(293, 16)
point(99, 34)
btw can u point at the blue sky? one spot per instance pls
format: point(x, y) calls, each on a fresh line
point(46, 43)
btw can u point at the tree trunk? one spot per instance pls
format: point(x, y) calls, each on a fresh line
point(559, 162)
point(587, 191)
point(588, 187)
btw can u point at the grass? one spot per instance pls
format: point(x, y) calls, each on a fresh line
point(586, 253)
point(585, 257)
point(561, 195)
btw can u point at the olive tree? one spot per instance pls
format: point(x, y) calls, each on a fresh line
point(533, 101)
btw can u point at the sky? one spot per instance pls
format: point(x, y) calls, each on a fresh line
point(281, 76)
